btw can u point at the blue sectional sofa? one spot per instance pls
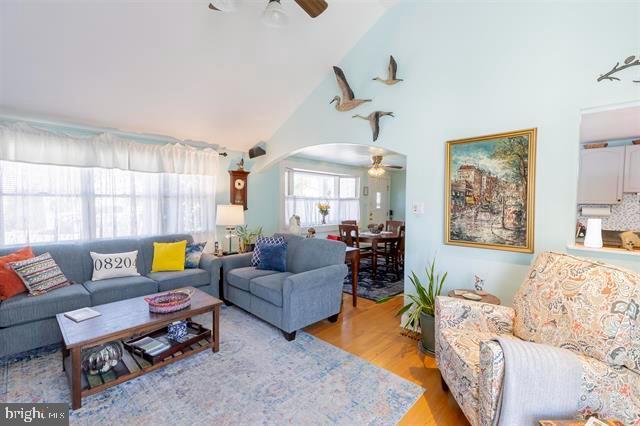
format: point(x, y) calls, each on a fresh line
point(310, 290)
point(28, 322)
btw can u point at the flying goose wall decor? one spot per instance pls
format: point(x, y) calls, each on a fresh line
point(374, 121)
point(391, 73)
point(347, 101)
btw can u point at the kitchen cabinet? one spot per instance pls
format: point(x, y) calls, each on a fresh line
point(602, 175)
point(632, 168)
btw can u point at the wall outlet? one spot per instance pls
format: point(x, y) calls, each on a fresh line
point(418, 208)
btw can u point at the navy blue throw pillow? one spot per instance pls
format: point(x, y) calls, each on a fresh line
point(273, 257)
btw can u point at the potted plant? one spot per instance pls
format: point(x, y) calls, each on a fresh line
point(421, 309)
point(323, 209)
point(247, 237)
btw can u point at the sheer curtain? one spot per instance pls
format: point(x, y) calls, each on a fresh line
point(307, 209)
point(23, 142)
point(43, 202)
point(305, 189)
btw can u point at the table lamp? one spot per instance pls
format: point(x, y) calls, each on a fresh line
point(230, 216)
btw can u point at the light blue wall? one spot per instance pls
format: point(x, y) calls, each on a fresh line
point(398, 194)
point(263, 194)
point(471, 69)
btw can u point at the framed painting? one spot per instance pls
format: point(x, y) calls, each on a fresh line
point(490, 191)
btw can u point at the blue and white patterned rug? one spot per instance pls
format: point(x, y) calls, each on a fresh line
point(385, 285)
point(256, 378)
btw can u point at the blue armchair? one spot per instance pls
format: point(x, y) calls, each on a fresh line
point(309, 291)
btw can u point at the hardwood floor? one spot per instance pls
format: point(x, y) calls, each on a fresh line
point(372, 331)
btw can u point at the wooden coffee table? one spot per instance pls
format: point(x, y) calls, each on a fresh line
point(122, 320)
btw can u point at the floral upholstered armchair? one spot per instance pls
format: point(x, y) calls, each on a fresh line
point(568, 302)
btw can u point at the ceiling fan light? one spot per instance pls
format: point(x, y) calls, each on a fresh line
point(274, 15)
point(375, 171)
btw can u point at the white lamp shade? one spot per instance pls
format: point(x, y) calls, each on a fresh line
point(593, 239)
point(229, 215)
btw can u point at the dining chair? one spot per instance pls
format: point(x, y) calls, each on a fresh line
point(393, 251)
point(401, 235)
point(350, 235)
point(394, 225)
point(349, 222)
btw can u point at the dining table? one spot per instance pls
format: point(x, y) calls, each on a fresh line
point(352, 256)
point(376, 239)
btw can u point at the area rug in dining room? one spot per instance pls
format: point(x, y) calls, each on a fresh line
point(256, 378)
point(386, 284)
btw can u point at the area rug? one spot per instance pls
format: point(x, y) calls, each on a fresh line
point(256, 378)
point(385, 285)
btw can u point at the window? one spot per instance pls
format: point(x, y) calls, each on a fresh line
point(40, 203)
point(304, 189)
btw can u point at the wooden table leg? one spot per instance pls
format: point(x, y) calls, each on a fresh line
point(76, 371)
point(65, 353)
point(374, 257)
point(355, 267)
point(215, 343)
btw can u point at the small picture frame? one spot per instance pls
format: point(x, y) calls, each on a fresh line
point(365, 191)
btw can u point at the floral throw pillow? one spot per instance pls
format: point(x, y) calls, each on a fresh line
point(263, 241)
point(193, 254)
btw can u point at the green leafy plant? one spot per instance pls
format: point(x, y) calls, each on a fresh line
point(246, 235)
point(424, 299)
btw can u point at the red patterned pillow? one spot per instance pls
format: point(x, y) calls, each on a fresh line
point(10, 282)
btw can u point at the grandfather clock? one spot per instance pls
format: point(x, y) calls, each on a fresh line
point(238, 187)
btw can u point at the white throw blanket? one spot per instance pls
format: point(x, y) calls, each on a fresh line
point(540, 382)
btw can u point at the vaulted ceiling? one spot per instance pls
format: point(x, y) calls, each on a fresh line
point(174, 67)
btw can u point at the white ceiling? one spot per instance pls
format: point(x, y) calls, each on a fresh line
point(170, 67)
point(610, 124)
point(350, 154)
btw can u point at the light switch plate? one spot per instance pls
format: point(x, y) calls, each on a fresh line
point(418, 208)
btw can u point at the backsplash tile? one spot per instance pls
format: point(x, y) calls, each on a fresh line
point(624, 216)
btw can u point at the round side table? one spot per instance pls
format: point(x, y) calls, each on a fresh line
point(487, 298)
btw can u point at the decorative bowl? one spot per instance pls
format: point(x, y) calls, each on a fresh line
point(375, 229)
point(101, 359)
point(170, 301)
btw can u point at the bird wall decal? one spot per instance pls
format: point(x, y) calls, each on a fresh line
point(374, 121)
point(391, 73)
point(347, 101)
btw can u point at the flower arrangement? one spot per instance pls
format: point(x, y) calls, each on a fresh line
point(324, 208)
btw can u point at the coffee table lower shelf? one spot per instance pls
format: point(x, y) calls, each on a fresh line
point(129, 367)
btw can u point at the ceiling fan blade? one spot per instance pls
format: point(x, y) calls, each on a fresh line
point(391, 166)
point(313, 7)
point(212, 7)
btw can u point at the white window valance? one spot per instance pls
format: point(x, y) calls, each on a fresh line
point(22, 142)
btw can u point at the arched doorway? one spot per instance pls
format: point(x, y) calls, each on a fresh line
point(358, 184)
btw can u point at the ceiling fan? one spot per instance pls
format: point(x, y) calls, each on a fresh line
point(274, 15)
point(377, 168)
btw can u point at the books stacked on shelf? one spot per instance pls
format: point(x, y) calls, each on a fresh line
point(152, 346)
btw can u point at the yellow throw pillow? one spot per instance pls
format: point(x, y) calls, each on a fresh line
point(168, 256)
